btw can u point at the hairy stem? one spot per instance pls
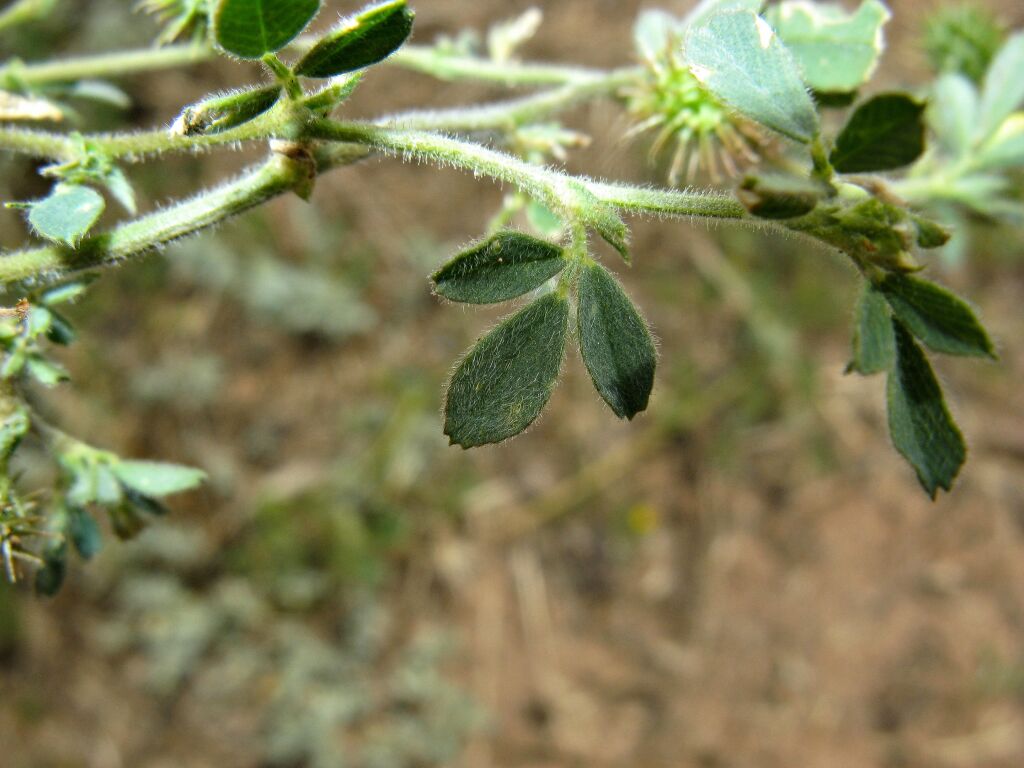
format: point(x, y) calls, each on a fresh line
point(278, 175)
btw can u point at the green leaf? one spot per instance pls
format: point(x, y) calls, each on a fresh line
point(152, 478)
point(84, 533)
point(938, 317)
point(501, 268)
point(780, 196)
point(1003, 92)
point(920, 424)
point(252, 28)
point(1005, 150)
point(874, 347)
point(616, 345)
point(705, 9)
point(67, 214)
point(952, 112)
point(837, 51)
point(365, 39)
point(503, 384)
point(61, 332)
point(224, 112)
point(740, 59)
point(50, 576)
point(884, 133)
point(46, 372)
point(653, 33)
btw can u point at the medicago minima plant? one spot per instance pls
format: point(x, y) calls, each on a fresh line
point(734, 92)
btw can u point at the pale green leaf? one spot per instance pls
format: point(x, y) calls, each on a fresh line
point(1003, 92)
point(67, 214)
point(615, 342)
point(740, 59)
point(952, 113)
point(920, 424)
point(705, 9)
point(1005, 150)
point(152, 478)
point(837, 51)
point(252, 28)
point(505, 381)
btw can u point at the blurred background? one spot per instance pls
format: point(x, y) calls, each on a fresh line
point(747, 575)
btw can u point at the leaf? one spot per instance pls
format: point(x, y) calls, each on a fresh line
point(503, 384)
point(50, 576)
point(252, 28)
point(653, 33)
point(615, 342)
point(152, 478)
point(884, 133)
point(952, 112)
point(920, 424)
point(1005, 150)
point(780, 196)
point(46, 372)
point(874, 347)
point(740, 59)
point(1003, 91)
point(365, 39)
point(837, 51)
point(84, 533)
point(705, 9)
point(936, 316)
point(67, 214)
point(501, 268)
point(226, 111)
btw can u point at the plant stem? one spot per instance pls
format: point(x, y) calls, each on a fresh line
point(419, 58)
point(443, 66)
point(105, 65)
point(511, 114)
point(555, 189)
point(278, 175)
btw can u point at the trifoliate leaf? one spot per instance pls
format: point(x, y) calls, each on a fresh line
point(505, 381)
point(251, 28)
point(501, 268)
point(67, 214)
point(152, 478)
point(740, 59)
point(936, 316)
point(884, 133)
point(837, 51)
point(84, 533)
point(1003, 92)
point(920, 424)
point(616, 345)
point(874, 347)
point(365, 39)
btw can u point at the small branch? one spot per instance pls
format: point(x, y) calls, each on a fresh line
point(443, 66)
point(104, 66)
point(508, 115)
point(552, 187)
point(278, 175)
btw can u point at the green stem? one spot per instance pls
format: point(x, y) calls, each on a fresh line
point(511, 114)
point(278, 175)
point(555, 189)
point(444, 66)
point(23, 11)
point(106, 65)
point(419, 58)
